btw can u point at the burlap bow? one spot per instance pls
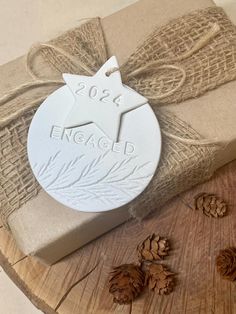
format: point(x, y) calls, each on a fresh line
point(181, 60)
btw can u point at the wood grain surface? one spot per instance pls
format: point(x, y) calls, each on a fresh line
point(78, 283)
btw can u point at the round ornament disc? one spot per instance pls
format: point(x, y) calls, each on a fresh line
point(94, 144)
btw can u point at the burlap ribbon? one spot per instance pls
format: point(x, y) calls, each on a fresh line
point(184, 59)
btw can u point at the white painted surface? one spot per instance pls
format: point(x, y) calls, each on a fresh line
point(94, 144)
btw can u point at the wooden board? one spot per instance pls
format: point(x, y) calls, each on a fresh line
point(78, 283)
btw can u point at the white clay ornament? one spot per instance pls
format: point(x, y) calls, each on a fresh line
point(94, 144)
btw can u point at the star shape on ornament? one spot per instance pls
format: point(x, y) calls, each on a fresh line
point(101, 99)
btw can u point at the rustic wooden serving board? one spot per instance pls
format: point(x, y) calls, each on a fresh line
point(78, 283)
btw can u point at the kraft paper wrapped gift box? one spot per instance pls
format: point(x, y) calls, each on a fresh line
point(48, 230)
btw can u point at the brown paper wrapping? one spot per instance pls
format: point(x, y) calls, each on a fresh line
point(47, 229)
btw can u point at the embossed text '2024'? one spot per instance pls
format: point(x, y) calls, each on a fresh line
point(94, 92)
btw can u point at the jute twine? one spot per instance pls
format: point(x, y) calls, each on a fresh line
point(184, 59)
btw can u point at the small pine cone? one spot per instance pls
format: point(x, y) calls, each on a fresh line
point(159, 279)
point(153, 248)
point(210, 205)
point(226, 263)
point(126, 283)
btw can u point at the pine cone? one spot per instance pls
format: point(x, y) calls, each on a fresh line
point(126, 283)
point(211, 205)
point(153, 248)
point(158, 278)
point(226, 263)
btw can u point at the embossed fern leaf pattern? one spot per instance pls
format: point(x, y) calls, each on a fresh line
point(64, 173)
point(45, 171)
point(118, 181)
point(61, 180)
